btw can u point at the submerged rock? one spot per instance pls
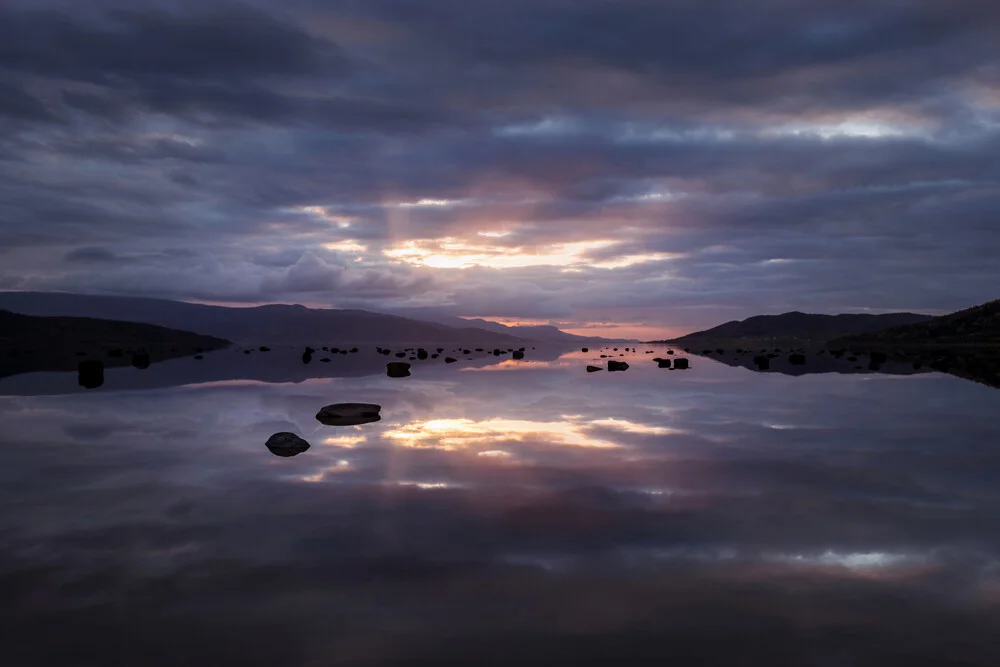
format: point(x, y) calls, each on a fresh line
point(286, 444)
point(397, 369)
point(90, 374)
point(349, 414)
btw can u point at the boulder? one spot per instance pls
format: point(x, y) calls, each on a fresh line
point(663, 363)
point(264, 348)
point(286, 444)
point(422, 354)
point(617, 365)
point(680, 363)
point(594, 369)
point(518, 354)
point(90, 373)
point(397, 369)
point(349, 414)
point(585, 349)
point(401, 354)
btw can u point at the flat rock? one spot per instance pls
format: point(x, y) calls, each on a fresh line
point(349, 414)
point(286, 444)
point(397, 369)
point(594, 369)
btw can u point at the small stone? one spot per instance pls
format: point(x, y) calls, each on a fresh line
point(286, 444)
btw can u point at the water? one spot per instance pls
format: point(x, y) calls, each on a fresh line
point(501, 513)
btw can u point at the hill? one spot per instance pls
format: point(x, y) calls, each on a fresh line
point(291, 324)
point(979, 325)
point(542, 332)
point(806, 327)
point(30, 343)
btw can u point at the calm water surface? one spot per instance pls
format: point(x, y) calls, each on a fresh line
point(500, 513)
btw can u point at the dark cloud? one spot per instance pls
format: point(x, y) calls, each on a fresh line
point(823, 155)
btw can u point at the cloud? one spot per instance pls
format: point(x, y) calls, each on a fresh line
point(731, 160)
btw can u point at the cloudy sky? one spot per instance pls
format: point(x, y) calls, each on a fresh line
point(628, 167)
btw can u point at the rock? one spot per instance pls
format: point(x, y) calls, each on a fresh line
point(90, 374)
point(518, 354)
point(435, 355)
point(797, 359)
point(479, 349)
point(140, 360)
point(720, 351)
point(762, 363)
point(324, 360)
point(422, 354)
point(246, 351)
point(401, 354)
point(450, 360)
point(264, 348)
point(497, 352)
point(286, 444)
point(663, 363)
point(670, 351)
point(440, 350)
point(617, 365)
point(879, 357)
point(349, 414)
point(468, 351)
point(397, 369)
point(307, 355)
point(354, 350)
point(680, 363)
point(604, 356)
point(586, 349)
point(594, 369)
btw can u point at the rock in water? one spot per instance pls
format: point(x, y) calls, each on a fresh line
point(585, 349)
point(450, 360)
point(680, 363)
point(594, 369)
point(762, 363)
point(90, 373)
point(797, 359)
point(397, 369)
point(349, 414)
point(422, 354)
point(286, 444)
point(140, 360)
point(663, 363)
point(518, 354)
point(617, 366)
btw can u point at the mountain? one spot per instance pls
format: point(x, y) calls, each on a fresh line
point(541, 333)
point(254, 325)
point(803, 327)
point(979, 325)
point(32, 343)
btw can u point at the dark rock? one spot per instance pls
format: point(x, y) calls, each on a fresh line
point(450, 360)
point(663, 363)
point(497, 352)
point(422, 354)
point(435, 355)
point(307, 355)
point(334, 350)
point(440, 350)
point(604, 356)
point(265, 348)
point(879, 357)
point(762, 363)
point(90, 373)
point(680, 363)
point(468, 351)
point(246, 351)
point(286, 444)
point(518, 354)
point(397, 369)
point(349, 414)
point(479, 349)
point(586, 349)
point(324, 360)
point(670, 351)
point(797, 359)
point(401, 354)
point(140, 360)
point(354, 350)
point(617, 365)
point(594, 369)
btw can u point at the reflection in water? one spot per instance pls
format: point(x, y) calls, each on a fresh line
point(572, 430)
point(712, 517)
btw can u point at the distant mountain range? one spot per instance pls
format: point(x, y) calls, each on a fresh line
point(278, 323)
point(979, 325)
point(541, 333)
point(805, 327)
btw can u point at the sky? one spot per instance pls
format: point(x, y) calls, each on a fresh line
point(618, 168)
